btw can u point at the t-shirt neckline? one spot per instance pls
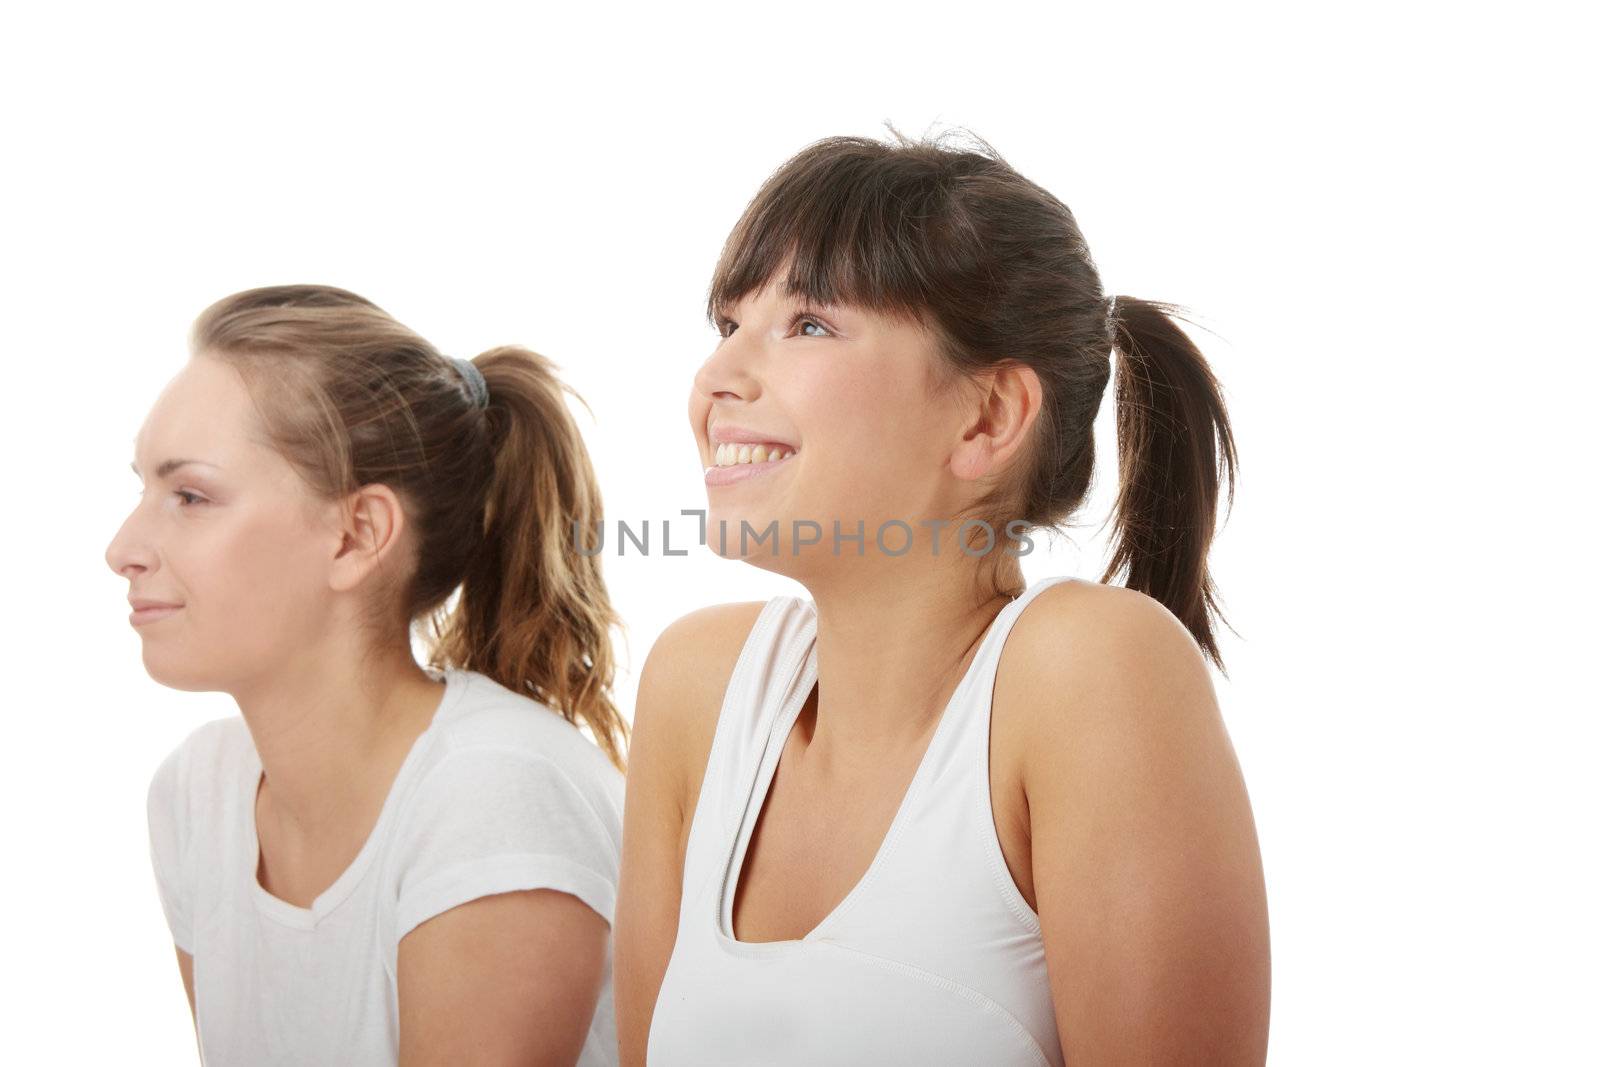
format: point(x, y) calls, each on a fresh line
point(280, 910)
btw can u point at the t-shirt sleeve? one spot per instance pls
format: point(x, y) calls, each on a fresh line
point(490, 820)
point(167, 809)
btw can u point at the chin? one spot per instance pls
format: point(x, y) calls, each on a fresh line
point(186, 674)
point(724, 526)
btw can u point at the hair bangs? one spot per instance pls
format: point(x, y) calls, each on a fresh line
point(844, 222)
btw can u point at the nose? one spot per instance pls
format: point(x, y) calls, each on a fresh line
point(729, 373)
point(128, 553)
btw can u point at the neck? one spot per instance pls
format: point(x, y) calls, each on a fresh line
point(332, 732)
point(894, 639)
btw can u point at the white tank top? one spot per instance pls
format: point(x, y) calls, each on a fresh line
point(933, 958)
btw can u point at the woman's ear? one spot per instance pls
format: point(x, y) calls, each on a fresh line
point(370, 527)
point(998, 416)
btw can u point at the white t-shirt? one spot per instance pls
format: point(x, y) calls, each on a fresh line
point(498, 794)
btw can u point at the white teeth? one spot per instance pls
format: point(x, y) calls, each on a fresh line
point(729, 455)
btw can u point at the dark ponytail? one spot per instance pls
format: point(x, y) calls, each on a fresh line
point(1174, 446)
point(997, 266)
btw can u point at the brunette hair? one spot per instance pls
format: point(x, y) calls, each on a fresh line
point(494, 495)
point(996, 267)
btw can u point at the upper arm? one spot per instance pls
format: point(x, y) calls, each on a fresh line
point(506, 872)
point(681, 687)
point(508, 978)
point(1146, 865)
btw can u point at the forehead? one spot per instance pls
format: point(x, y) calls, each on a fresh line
point(203, 412)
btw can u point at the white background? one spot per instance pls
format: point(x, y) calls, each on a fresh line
point(1383, 211)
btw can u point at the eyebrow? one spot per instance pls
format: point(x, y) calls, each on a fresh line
point(167, 466)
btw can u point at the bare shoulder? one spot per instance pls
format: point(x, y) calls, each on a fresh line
point(681, 687)
point(1143, 845)
point(1084, 652)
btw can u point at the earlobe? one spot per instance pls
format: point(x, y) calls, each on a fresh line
point(974, 457)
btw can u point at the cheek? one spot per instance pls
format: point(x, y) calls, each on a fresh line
point(873, 428)
point(256, 574)
point(843, 412)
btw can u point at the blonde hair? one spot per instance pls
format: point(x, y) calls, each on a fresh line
point(495, 494)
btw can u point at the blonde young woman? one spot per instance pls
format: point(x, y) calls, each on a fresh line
point(377, 861)
point(932, 814)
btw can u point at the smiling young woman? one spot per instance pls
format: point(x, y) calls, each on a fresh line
point(932, 814)
point(375, 861)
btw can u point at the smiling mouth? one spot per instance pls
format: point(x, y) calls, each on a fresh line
point(734, 455)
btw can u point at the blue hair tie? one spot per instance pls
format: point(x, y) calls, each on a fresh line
point(476, 386)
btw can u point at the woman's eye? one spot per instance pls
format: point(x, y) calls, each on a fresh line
point(188, 498)
point(808, 327)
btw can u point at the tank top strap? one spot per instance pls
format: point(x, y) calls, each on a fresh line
point(930, 958)
point(764, 682)
point(961, 749)
point(987, 661)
